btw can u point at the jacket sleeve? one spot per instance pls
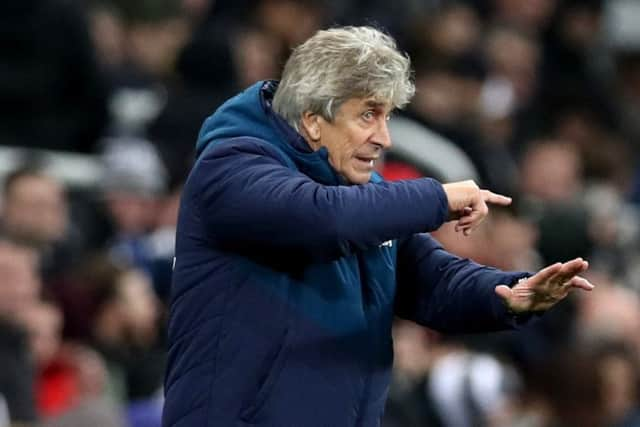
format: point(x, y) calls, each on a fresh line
point(247, 196)
point(451, 294)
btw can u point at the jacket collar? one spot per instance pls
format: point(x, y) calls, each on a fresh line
point(314, 164)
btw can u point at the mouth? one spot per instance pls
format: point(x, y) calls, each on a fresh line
point(366, 163)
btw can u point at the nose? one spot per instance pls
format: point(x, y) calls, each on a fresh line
point(382, 136)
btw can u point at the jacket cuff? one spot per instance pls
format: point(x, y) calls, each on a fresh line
point(442, 200)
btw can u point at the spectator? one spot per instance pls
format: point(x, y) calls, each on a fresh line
point(35, 212)
point(531, 16)
point(19, 291)
point(618, 366)
point(81, 372)
point(569, 388)
point(410, 403)
point(134, 186)
point(123, 322)
point(552, 172)
point(34, 209)
point(53, 93)
point(16, 376)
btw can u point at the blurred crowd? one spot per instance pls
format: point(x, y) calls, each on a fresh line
point(537, 99)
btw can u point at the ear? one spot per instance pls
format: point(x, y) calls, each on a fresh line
point(311, 126)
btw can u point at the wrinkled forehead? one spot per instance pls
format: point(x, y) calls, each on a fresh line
point(369, 102)
point(378, 102)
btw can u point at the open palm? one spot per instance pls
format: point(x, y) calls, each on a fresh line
point(545, 288)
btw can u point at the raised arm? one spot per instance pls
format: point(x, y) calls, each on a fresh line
point(247, 196)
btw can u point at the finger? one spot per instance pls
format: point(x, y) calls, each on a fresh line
point(581, 283)
point(475, 216)
point(468, 226)
point(496, 199)
point(466, 221)
point(461, 213)
point(572, 268)
point(465, 229)
point(575, 264)
point(460, 228)
point(545, 274)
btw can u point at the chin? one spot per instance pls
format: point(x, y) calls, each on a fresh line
point(359, 178)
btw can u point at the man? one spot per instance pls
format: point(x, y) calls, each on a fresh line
point(19, 291)
point(35, 210)
point(35, 213)
point(293, 256)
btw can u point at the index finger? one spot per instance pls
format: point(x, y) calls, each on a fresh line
point(495, 198)
point(572, 268)
point(545, 274)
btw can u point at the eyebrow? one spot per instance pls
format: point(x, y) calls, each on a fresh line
point(375, 104)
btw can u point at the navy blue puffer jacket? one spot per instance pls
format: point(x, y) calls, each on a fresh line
point(286, 281)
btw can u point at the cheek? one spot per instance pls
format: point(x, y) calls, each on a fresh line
point(349, 154)
point(341, 151)
point(343, 144)
point(353, 143)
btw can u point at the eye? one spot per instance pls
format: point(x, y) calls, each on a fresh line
point(368, 115)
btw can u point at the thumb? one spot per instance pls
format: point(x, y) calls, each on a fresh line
point(504, 292)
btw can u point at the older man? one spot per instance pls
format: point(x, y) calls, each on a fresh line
point(293, 255)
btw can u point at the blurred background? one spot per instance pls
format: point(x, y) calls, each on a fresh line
point(101, 103)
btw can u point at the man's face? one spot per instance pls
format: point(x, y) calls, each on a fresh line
point(35, 210)
point(355, 139)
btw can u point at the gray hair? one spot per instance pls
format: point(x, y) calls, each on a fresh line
point(338, 64)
